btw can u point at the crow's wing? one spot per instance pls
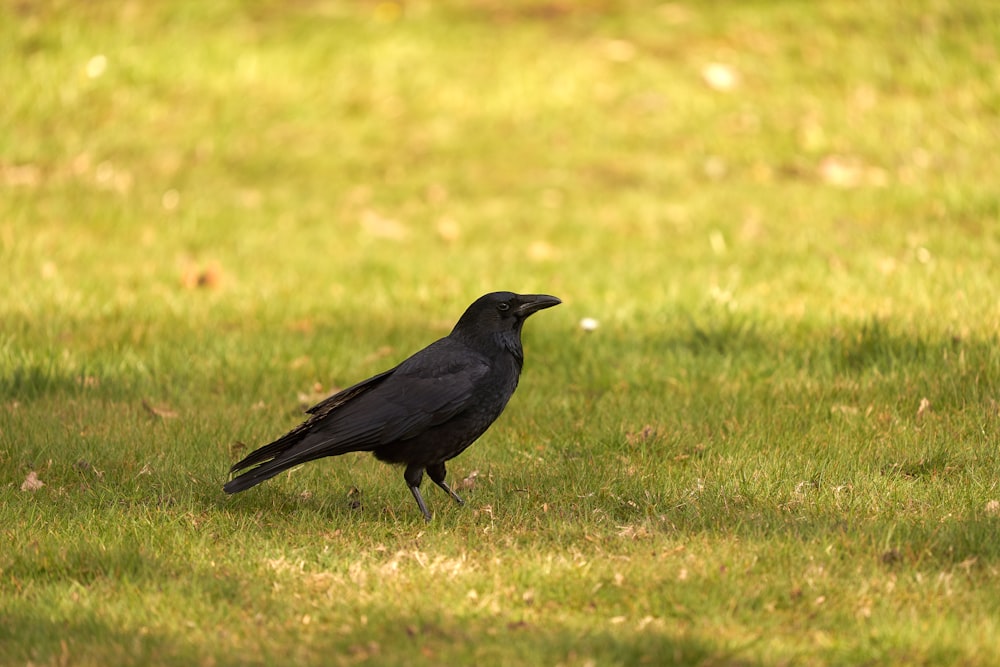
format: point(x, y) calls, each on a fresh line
point(345, 395)
point(424, 391)
point(287, 442)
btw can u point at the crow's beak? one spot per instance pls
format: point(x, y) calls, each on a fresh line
point(531, 303)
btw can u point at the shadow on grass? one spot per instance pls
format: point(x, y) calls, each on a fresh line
point(36, 637)
point(919, 514)
point(847, 348)
point(97, 357)
point(332, 505)
point(851, 347)
point(31, 379)
point(98, 604)
point(389, 637)
point(924, 540)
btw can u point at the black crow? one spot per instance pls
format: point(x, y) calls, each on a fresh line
point(421, 413)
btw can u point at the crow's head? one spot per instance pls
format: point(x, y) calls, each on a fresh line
point(499, 312)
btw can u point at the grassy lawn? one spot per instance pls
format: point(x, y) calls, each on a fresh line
point(779, 446)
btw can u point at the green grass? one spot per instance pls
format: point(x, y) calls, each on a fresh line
point(779, 447)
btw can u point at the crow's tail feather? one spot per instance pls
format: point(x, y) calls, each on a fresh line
point(270, 460)
point(306, 442)
point(257, 475)
point(273, 450)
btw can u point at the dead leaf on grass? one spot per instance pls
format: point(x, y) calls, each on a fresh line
point(379, 226)
point(925, 406)
point(31, 482)
point(968, 563)
point(158, 410)
point(619, 50)
point(891, 556)
point(448, 229)
point(85, 466)
point(468, 483)
point(315, 395)
point(542, 251)
point(206, 277)
point(634, 532)
point(21, 175)
point(646, 434)
point(846, 172)
point(380, 353)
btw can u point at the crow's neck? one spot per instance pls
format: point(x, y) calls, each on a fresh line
point(510, 341)
point(495, 344)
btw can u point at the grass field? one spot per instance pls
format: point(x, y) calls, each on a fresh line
point(780, 445)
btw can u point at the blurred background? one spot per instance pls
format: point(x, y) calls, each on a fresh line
point(221, 164)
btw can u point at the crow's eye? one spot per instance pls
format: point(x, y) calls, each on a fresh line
point(503, 307)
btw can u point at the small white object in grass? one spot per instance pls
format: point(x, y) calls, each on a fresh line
point(96, 66)
point(589, 324)
point(717, 241)
point(720, 77)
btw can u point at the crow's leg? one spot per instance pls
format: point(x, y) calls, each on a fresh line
point(437, 472)
point(413, 475)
